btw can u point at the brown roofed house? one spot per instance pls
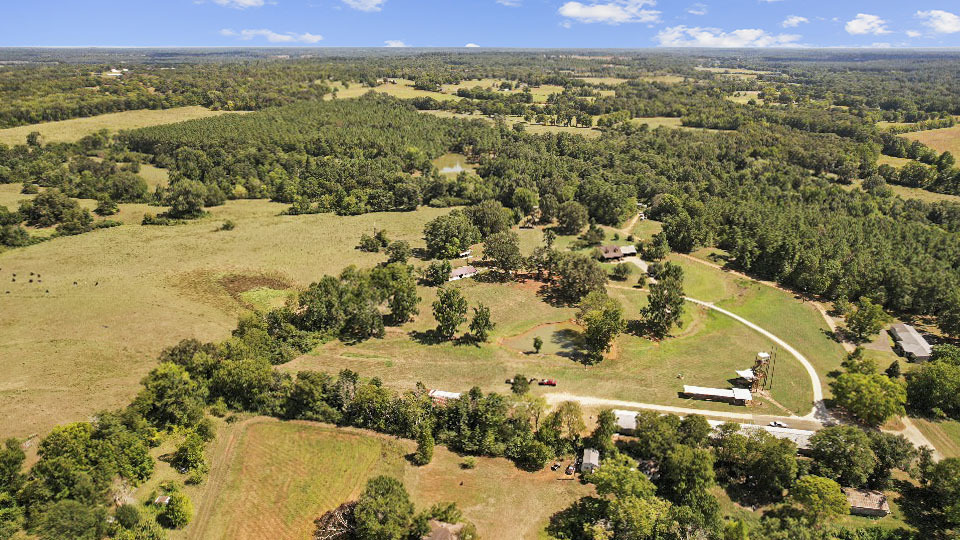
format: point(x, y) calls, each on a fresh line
point(440, 530)
point(611, 253)
point(864, 502)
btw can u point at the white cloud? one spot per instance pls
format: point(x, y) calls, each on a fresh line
point(271, 36)
point(794, 21)
point(865, 23)
point(611, 12)
point(240, 4)
point(942, 22)
point(697, 9)
point(914, 33)
point(511, 3)
point(366, 5)
point(394, 43)
point(683, 36)
point(471, 45)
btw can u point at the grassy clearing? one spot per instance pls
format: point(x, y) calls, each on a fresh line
point(893, 161)
point(913, 193)
point(744, 97)
point(780, 312)
point(278, 477)
point(79, 349)
point(941, 140)
point(666, 79)
point(10, 195)
point(154, 176)
point(74, 129)
point(944, 434)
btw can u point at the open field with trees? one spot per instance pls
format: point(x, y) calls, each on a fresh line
point(74, 129)
point(296, 471)
point(941, 140)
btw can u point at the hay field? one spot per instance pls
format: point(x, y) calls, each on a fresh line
point(941, 140)
point(277, 477)
point(78, 349)
point(74, 129)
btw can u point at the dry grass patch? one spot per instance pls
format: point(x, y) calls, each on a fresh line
point(74, 129)
point(941, 140)
point(944, 434)
point(271, 479)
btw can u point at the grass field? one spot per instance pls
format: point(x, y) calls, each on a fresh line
point(778, 311)
point(79, 349)
point(914, 193)
point(944, 434)
point(72, 130)
point(941, 140)
point(893, 161)
point(272, 479)
point(612, 81)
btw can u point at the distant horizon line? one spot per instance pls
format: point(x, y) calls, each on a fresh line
point(511, 47)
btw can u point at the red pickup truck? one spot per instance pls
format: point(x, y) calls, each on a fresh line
point(547, 382)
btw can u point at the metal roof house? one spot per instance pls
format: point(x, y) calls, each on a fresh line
point(628, 251)
point(867, 503)
point(910, 343)
point(462, 272)
point(591, 460)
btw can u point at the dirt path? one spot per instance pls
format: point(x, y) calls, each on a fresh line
point(628, 228)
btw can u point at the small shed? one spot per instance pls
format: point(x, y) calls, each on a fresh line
point(910, 343)
point(162, 500)
point(864, 502)
point(611, 253)
point(591, 460)
point(626, 421)
point(462, 273)
point(441, 397)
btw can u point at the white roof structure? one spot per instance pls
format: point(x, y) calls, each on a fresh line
point(442, 394)
point(462, 272)
point(734, 394)
point(626, 420)
point(746, 374)
point(628, 250)
point(591, 459)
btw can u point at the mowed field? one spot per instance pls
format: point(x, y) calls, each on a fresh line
point(71, 350)
point(271, 479)
point(74, 129)
point(941, 140)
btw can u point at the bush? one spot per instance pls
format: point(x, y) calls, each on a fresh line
point(468, 462)
point(178, 512)
point(29, 189)
point(106, 207)
point(228, 225)
point(437, 273)
point(622, 271)
point(127, 516)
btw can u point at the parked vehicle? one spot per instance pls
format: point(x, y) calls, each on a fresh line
point(779, 424)
point(555, 466)
point(571, 469)
point(547, 382)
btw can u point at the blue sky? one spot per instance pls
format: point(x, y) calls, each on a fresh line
point(486, 23)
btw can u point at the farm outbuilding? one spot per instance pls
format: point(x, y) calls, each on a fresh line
point(910, 343)
point(628, 251)
point(591, 460)
point(737, 396)
point(867, 503)
point(462, 272)
point(441, 397)
point(626, 421)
